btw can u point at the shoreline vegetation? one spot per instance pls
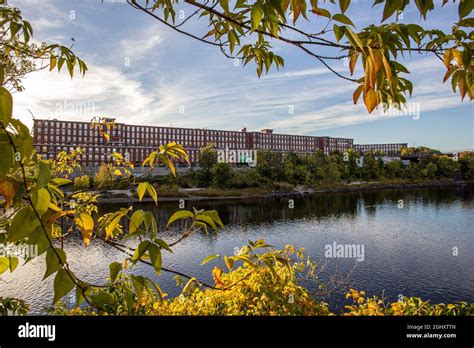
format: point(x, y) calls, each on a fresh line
point(277, 175)
point(208, 194)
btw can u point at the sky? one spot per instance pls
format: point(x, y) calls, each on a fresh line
point(142, 72)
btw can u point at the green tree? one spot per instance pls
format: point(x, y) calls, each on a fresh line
point(270, 165)
point(247, 29)
point(371, 169)
point(394, 169)
point(222, 175)
point(466, 161)
point(430, 170)
point(207, 160)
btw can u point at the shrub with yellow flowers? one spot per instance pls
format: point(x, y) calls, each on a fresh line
point(258, 280)
point(405, 306)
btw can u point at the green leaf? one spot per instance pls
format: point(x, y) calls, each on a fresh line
point(152, 192)
point(256, 15)
point(135, 221)
point(210, 258)
point(467, 22)
point(155, 257)
point(229, 262)
point(80, 293)
point(399, 67)
point(63, 284)
point(224, 4)
point(465, 7)
point(38, 238)
point(322, 12)
point(140, 250)
point(342, 19)
point(354, 38)
point(41, 199)
point(339, 31)
point(6, 106)
point(115, 268)
point(214, 215)
point(180, 215)
point(390, 8)
point(4, 264)
point(52, 262)
point(147, 187)
point(44, 174)
point(52, 62)
point(13, 263)
point(24, 223)
point(102, 298)
point(141, 189)
point(60, 181)
point(163, 244)
point(6, 159)
point(207, 220)
point(344, 4)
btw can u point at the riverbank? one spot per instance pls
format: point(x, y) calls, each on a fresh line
point(197, 194)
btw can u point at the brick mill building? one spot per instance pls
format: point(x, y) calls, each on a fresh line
point(53, 136)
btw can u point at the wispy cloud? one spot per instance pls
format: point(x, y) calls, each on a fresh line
point(139, 44)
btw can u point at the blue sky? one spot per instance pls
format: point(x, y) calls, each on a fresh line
point(142, 72)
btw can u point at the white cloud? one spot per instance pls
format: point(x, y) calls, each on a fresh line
point(103, 91)
point(139, 45)
point(299, 73)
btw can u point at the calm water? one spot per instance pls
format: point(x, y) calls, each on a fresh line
point(407, 251)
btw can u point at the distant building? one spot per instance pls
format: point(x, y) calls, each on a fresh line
point(386, 149)
point(137, 141)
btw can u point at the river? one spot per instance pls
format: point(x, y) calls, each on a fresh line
point(417, 242)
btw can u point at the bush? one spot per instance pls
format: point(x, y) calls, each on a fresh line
point(222, 175)
point(253, 283)
point(168, 190)
point(105, 175)
point(251, 178)
point(82, 182)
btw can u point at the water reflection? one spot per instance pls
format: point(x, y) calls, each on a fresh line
point(408, 246)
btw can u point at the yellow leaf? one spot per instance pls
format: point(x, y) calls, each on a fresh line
point(212, 32)
point(352, 62)
point(357, 93)
point(216, 273)
point(8, 188)
point(370, 100)
point(388, 70)
point(56, 216)
point(369, 73)
point(54, 207)
point(357, 40)
point(118, 172)
point(458, 56)
point(86, 224)
point(376, 57)
point(448, 57)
